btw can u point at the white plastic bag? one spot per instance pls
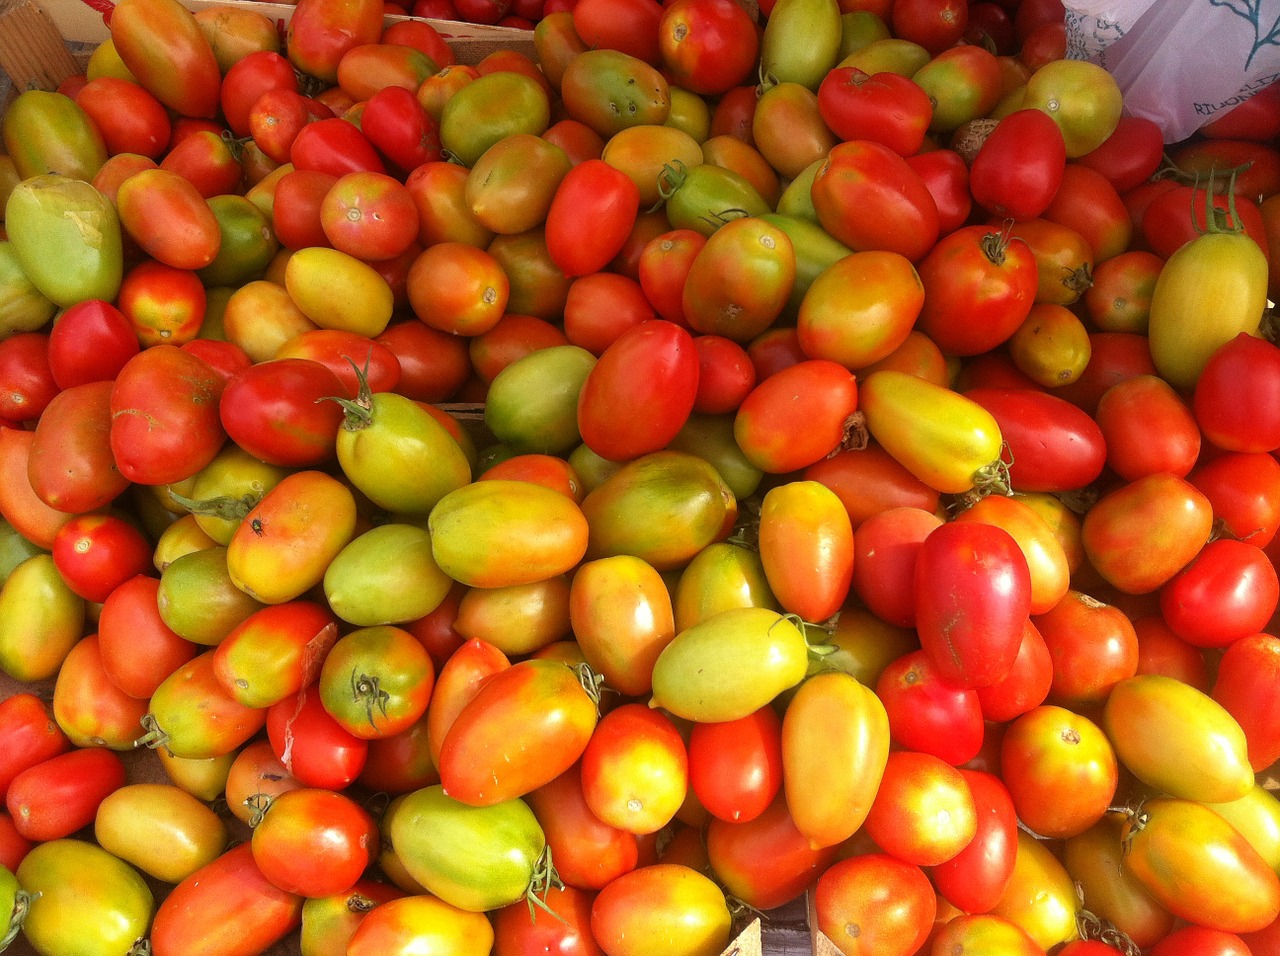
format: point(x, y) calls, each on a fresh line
point(1180, 63)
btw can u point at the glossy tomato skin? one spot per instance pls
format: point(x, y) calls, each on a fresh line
point(1227, 592)
point(665, 905)
point(874, 903)
point(1053, 445)
point(886, 107)
point(312, 745)
point(565, 931)
point(314, 842)
point(589, 853)
point(907, 818)
point(1181, 843)
point(707, 45)
point(1019, 168)
point(55, 798)
point(975, 879)
point(596, 197)
point(1244, 673)
point(30, 733)
point(525, 726)
point(226, 907)
point(978, 573)
point(275, 410)
point(89, 707)
point(653, 366)
point(1248, 362)
point(929, 714)
point(767, 425)
point(71, 467)
point(735, 767)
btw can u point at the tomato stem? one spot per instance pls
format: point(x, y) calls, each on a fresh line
point(223, 506)
point(1090, 926)
point(22, 901)
point(591, 682)
point(141, 947)
point(154, 738)
point(544, 880)
point(358, 411)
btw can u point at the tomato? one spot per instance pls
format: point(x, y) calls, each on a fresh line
point(613, 200)
point(1129, 155)
point(1180, 843)
point(473, 857)
point(972, 597)
point(766, 425)
point(885, 107)
point(421, 923)
point(859, 309)
point(923, 812)
point(963, 81)
point(663, 905)
point(1227, 592)
point(1205, 759)
point(588, 853)
point(1245, 361)
point(192, 716)
point(663, 507)
point(163, 45)
point(979, 286)
point(654, 362)
point(946, 440)
point(48, 132)
point(42, 620)
point(369, 215)
point(1094, 859)
point(983, 933)
point(976, 878)
point(255, 777)
point(138, 649)
point(376, 681)
point(162, 830)
point(735, 767)
point(89, 707)
point(707, 46)
point(806, 547)
point(88, 252)
point(329, 922)
point(874, 903)
point(31, 736)
point(311, 744)
point(227, 907)
point(565, 929)
point(830, 778)
point(82, 897)
point(56, 797)
point(313, 842)
point(1245, 669)
point(1093, 646)
point(928, 714)
point(801, 42)
point(757, 654)
point(1201, 941)
point(871, 178)
point(1020, 166)
point(635, 769)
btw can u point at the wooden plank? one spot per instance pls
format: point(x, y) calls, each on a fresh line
point(32, 51)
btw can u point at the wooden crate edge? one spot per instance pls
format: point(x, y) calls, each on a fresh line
point(822, 946)
point(33, 53)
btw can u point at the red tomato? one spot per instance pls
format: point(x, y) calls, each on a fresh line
point(247, 79)
point(1247, 669)
point(874, 903)
point(71, 467)
point(707, 46)
point(131, 119)
point(1247, 364)
point(275, 410)
point(1201, 941)
point(1242, 489)
point(980, 284)
point(934, 24)
point(867, 196)
point(766, 862)
point(589, 853)
point(1052, 444)
point(59, 795)
point(400, 128)
point(433, 364)
point(95, 553)
point(295, 214)
point(1227, 592)
point(369, 215)
point(165, 424)
point(28, 377)
point(591, 215)
point(1019, 167)
point(169, 219)
point(525, 726)
point(334, 146)
point(1093, 647)
point(1088, 203)
point(314, 842)
point(564, 931)
point(165, 304)
point(276, 118)
point(1129, 156)
point(207, 161)
point(311, 744)
point(735, 767)
point(91, 341)
point(1027, 683)
point(869, 480)
point(225, 908)
point(630, 26)
point(1112, 356)
point(797, 416)
point(973, 596)
point(1177, 215)
point(138, 649)
point(946, 175)
point(975, 879)
point(30, 734)
point(653, 366)
point(885, 546)
point(928, 714)
point(725, 375)
point(1148, 428)
point(887, 108)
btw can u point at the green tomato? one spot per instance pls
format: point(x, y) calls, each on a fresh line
point(475, 858)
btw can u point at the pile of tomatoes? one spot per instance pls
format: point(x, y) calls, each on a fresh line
point(571, 501)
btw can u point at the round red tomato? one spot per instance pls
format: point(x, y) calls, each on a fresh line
point(707, 46)
point(28, 376)
point(797, 416)
point(1019, 167)
point(314, 842)
point(875, 904)
point(1248, 365)
point(924, 812)
point(58, 796)
point(1228, 591)
point(975, 879)
point(928, 714)
point(91, 341)
point(96, 553)
point(885, 107)
point(311, 744)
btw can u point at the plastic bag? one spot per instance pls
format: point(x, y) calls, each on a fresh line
point(1179, 63)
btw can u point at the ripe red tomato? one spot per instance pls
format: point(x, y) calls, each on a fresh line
point(1019, 167)
point(874, 903)
point(707, 46)
point(369, 215)
point(276, 411)
point(30, 733)
point(1247, 669)
point(1247, 363)
point(91, 341)
point(928, 714)
point(1093, 647)
point(885, 107)
point(59, 795)
point(653, 366)
point(25, 368)
point(95, 553)
point(973, 597)
point(314, 842)
point(980, 284)
point(735, 767)
point(311, 744)
point(1147, 428)
point(975, 879)
point(591, 215)
point(924, 812)
point(1129, 155)
point(886, 545)
point(1227, 592)
point(589, 853)
point(797, 416)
